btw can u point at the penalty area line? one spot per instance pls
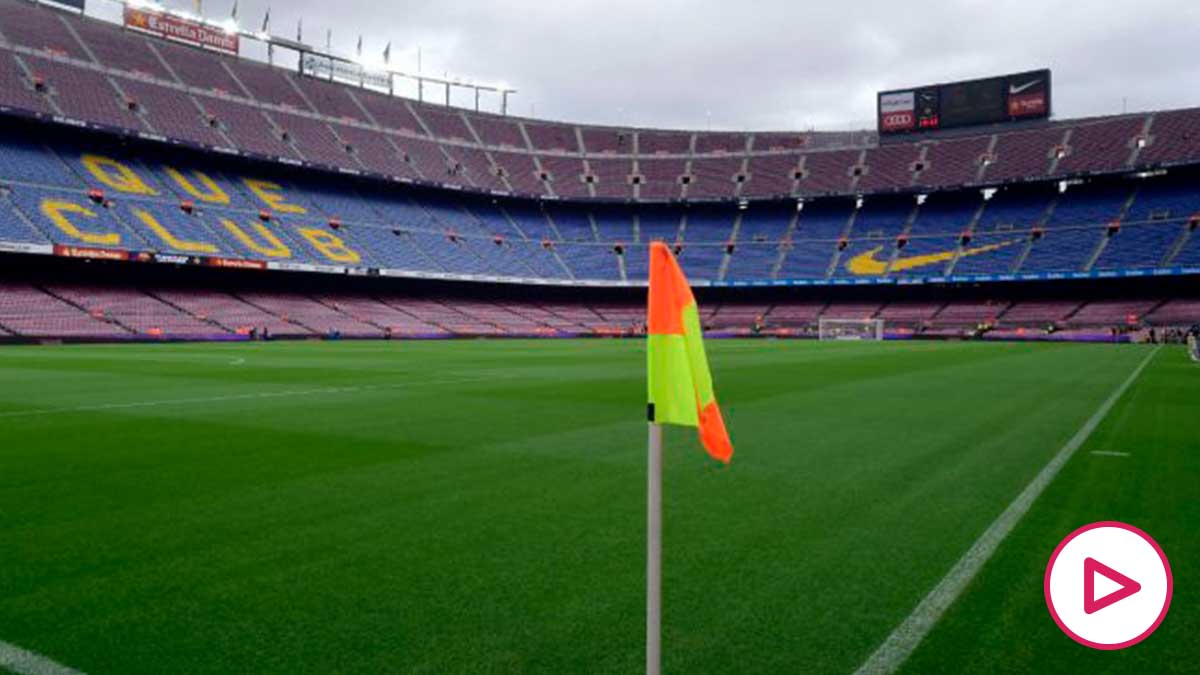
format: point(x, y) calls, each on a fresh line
point(24, 662)
point(903, 641)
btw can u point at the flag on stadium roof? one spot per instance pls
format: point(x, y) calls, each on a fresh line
point(680, 385)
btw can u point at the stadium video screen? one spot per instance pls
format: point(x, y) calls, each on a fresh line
point(962, 104)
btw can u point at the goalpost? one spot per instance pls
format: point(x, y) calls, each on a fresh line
point(850, 329)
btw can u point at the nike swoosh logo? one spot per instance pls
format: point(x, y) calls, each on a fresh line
point(866, 264)
point(1014, 89)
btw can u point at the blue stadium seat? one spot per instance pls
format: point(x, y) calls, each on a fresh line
point(71, 219)
point(425, 230)
point(14, 228)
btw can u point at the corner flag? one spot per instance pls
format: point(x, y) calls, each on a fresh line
point(680, 392)
point(680, 386)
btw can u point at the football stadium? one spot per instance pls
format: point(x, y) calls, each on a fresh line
point(306, 367)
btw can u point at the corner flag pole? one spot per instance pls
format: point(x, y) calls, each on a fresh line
point(654, 553)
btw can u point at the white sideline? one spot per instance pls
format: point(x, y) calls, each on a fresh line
point(232, 397)
point(904, 640)
point(25, 662)
point(1109, 453)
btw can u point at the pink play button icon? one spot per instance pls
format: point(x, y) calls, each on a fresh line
point(1112, 604)
point(1092, 604)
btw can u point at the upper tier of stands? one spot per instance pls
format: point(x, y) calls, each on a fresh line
point(56, 64)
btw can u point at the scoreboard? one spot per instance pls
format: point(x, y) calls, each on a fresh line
point(960, 104)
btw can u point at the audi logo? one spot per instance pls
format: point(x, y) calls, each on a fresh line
point(898, 119)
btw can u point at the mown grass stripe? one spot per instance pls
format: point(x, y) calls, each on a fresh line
point(898, 646)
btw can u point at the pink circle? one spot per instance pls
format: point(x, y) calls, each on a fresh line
point(1161, 556)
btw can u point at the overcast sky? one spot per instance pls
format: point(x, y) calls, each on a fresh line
point(762, 64)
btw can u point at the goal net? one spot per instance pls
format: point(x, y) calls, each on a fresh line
point(851, 329)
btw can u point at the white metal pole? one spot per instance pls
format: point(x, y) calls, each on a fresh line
point(654, 553)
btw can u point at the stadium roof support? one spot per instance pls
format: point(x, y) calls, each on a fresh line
point(324, 64)
point(318, 63)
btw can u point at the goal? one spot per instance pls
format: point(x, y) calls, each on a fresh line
point(851, 329)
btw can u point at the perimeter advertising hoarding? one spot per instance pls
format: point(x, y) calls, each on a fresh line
point(179, 29)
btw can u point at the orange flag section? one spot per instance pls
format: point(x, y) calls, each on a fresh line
point(669, 293)
point(678, 381)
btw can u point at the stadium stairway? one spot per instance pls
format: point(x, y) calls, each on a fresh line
point(281, 317)
point(1051, 207)
point(1066, 318)
point(968, 230)
point(1179, 246)
point(727, 258)
point(337, 307)
point(104, 317)
point(905, 230)
point(788, 235)
point(183, 310)
point(1102, 244)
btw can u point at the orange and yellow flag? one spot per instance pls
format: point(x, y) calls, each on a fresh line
point(680, 386)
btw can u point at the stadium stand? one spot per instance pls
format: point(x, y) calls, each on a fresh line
point(37, 28)
point(829, 162)
point(31, 312)
point(132, 310)
point(1175, 313)
point(103, 312)
point(226, 311)
point(1084, 198)
point(114, 197)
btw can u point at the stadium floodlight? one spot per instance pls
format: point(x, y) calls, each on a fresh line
point(850, 329)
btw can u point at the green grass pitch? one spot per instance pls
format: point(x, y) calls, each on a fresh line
point(479, 506)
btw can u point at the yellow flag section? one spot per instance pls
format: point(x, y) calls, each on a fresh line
point(680, 386)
